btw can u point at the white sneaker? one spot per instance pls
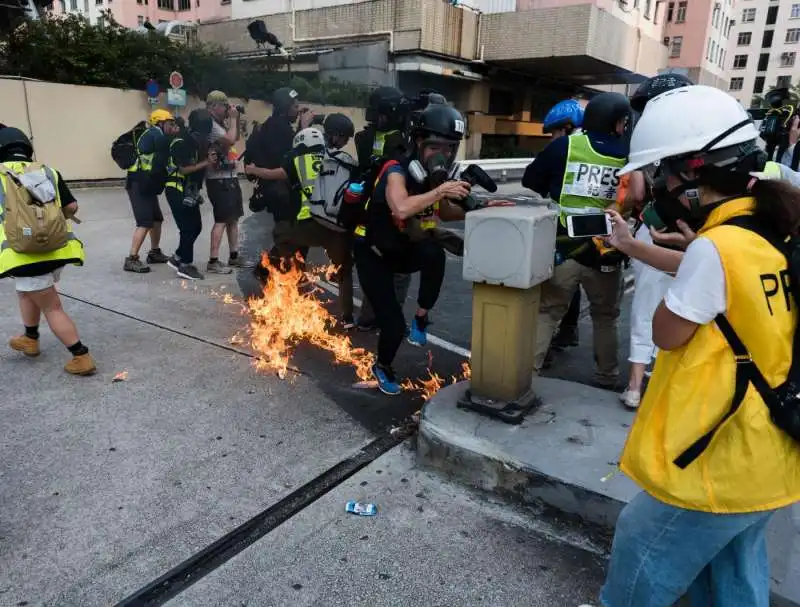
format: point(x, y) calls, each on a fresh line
point(631, 399)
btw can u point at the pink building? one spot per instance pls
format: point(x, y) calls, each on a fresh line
point(134, 13)
point(697, 34)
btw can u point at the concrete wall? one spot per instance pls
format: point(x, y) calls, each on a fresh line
point(366, 64)
point(72, 127)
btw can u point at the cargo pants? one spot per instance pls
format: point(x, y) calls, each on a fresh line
point(604, 291)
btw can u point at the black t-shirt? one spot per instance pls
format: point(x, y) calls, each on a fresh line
point(269, 144)
point(64, 193)
point(184, 152)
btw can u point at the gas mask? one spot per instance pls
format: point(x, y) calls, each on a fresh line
point(436, 168)
point(665, 208)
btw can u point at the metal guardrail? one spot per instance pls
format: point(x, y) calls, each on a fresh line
point(500, 169)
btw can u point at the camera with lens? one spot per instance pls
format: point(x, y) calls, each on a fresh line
point(240, 109)
point(416, 105)
point(775, 124)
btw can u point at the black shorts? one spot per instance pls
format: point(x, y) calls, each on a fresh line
point(225, 196)
point(146, 210)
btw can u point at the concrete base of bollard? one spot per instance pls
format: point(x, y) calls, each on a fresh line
point(563, 456)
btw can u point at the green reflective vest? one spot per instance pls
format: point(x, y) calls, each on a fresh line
point(10, 260)
point(176, 179)
point(144, 162)
point(307, 166)
point(590, 181)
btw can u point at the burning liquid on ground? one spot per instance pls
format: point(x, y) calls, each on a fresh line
point(288, 313)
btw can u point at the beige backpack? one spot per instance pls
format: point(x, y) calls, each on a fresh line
point(34, 221)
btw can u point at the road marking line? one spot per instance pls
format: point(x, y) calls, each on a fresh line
point(436, 341)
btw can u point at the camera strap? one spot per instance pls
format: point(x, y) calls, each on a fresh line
point(747, 372)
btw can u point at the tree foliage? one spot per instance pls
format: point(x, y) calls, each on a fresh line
point(71, 50)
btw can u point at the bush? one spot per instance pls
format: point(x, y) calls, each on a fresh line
point(72, 51)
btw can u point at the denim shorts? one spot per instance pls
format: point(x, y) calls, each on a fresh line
point(661, 553)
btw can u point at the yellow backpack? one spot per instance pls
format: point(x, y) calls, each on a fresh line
point(34, 222)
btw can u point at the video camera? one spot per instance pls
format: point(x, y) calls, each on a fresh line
point(417, 105)
point(475, 175)
point(776, 120)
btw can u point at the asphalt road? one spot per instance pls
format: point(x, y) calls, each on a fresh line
point(452, 316)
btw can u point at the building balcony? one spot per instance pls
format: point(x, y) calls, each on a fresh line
point(579, 43)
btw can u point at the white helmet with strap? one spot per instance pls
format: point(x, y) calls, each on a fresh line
point(690, 123)
point(309, 137)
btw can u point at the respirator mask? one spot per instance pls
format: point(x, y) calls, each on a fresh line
point(435, 168)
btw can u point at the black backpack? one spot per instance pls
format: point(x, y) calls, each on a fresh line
point(123, 150)
point(783, 401)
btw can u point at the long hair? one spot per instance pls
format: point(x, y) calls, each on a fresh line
point(777, 201)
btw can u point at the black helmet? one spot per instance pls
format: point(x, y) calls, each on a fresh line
point(282, 100)
point(338, 124)
point(655, 86)
point(14, 143)
point(604, 111)
point(200, 121)
point(388, 102)
point(442, 121)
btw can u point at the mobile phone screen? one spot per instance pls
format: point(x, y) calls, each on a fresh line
point(589, 225)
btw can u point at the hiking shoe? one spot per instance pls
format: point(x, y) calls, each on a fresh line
point(566, 337)
point(239, 262)
point(217, 267)
point(174, 262)
point(417, 335)
point(81, 365)
point(134, 264)
point(366, 325)
point(348, 323)
point(156, 256)
point(387, 383)
point(189, 272)
point(27, 345)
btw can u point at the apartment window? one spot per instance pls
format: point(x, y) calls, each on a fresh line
point(713, 51)
point(723, 55)
point(748, 15)
point(140, 20)
point(792, 35)
point(739, 62)
point(795, 14)
point(715, 17)
point(138, 1)
point(744, 38)
point(783, 82)
point(670, 11)
point(168, 5)
point(98, 2)
point(647, 4)
point(73, 5)
point(731, 23)
point(758, 87)
point(763, 62)
point(727, 27)
point(737, 84)
point(675, 49)
point(787, 59)
point(184, 5)
point(680, 17)
point(772, 15)
point(766, 41)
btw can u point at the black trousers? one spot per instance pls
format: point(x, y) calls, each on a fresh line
point(376, 272)
point(570, 319)
point(189, 222)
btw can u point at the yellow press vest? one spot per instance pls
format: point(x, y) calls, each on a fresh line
point(750, 465)
point(10, 260)
point(175, 179)
point(307, 166)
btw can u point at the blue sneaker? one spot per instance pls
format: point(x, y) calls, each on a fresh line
point(418, 335)
point(386, 379)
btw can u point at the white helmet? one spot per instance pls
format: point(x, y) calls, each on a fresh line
point(685, 121)
point(309, 137)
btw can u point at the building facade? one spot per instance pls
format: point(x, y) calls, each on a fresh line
point(763, 48)
point(134, 13)
point(697, 33)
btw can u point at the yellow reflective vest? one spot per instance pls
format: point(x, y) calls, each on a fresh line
point(750, 465)
point(10, 260)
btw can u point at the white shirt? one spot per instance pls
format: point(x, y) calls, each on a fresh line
point(698, 292)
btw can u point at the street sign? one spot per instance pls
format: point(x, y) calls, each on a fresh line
point(152, 88)
point(176, 97)
point(176, 80)
point(152, 100)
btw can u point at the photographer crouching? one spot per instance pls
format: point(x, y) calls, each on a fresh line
point(405, 203)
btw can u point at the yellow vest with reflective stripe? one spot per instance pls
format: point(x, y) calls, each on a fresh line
point(144, 162)
point(175, 179)
point(750, 465)
point(307, 166)
point(590, 182)
point(10, 260)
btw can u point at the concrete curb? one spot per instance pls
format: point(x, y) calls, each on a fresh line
point(560, 458)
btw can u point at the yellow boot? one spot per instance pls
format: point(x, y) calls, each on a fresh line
point(27, 345)
point(81, 365)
